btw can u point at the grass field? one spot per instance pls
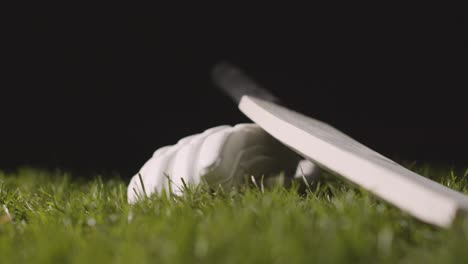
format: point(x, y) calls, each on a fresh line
point(52, 217)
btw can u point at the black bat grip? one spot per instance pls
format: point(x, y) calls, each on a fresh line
point(232, 81)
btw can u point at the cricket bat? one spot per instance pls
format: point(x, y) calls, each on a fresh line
point(338, 153)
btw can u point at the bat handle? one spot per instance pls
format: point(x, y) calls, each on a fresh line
point(235, 83)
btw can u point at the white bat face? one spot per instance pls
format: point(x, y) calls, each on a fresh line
point(342, 155)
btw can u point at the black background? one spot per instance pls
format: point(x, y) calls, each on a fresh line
point(101, 92)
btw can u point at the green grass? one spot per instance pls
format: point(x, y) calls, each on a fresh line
point(56, 218)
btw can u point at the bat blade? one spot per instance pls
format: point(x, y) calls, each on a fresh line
point(338, 153)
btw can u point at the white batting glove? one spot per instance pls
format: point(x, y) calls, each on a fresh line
point(222, 155)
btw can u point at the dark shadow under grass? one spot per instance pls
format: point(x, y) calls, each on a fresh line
point(50, 217)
